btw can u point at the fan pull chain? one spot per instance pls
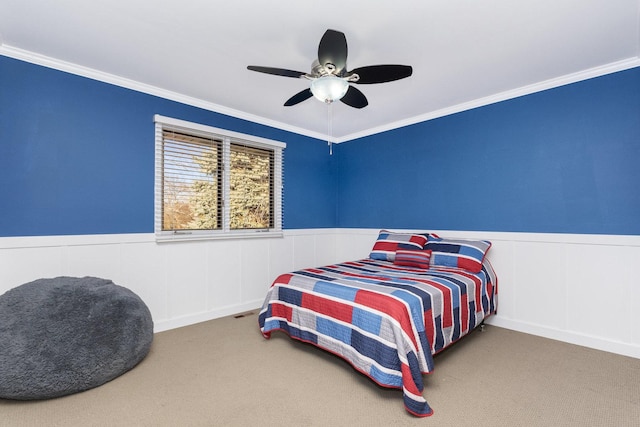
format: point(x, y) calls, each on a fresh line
point(330, 127)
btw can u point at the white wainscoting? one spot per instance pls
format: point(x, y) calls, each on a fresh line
point(181, 282)
point(581, 289)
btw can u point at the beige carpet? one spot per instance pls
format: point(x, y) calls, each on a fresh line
point(223, 373)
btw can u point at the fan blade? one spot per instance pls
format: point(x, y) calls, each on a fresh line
point(333, 50)
point(299, 97)
point(276, 71)
point(382, 73)
point(354, 98)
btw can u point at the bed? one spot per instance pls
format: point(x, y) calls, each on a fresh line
point(388, 314)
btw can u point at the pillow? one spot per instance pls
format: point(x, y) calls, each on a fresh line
point(465, 254)
point(413, 258)
point(385, 247)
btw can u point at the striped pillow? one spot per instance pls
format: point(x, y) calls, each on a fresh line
point(413, 258)
point(389, 242)
point(465, 254)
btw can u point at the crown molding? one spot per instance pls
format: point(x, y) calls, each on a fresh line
point(502, 96)
point(71, 68)
point(68, 67)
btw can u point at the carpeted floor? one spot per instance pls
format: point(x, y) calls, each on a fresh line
point(223, 373)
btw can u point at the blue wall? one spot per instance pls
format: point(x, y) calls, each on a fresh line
point(564, 160)
point(77, 156)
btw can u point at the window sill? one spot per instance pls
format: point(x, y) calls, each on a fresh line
point(186, 237)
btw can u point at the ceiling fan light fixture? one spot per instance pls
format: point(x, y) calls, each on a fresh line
point(329, 88)
point(330, 79)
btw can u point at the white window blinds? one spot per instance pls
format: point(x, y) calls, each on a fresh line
point(191, 182)
point(215, 183)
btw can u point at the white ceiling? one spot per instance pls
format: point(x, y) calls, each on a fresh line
point(464, 53)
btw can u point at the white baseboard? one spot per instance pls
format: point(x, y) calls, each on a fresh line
point(178, 322)
point(624, 349)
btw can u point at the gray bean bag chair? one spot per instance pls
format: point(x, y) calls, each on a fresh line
point(65, 335)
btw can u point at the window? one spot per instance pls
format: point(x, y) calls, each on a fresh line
point(215, 183)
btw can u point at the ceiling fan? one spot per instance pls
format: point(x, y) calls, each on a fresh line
point(330, 78)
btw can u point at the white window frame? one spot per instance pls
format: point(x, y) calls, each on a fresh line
point(228, 137)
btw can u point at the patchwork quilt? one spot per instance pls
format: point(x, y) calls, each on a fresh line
point(386, 320)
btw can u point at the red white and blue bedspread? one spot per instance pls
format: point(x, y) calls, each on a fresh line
point(386, 320)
